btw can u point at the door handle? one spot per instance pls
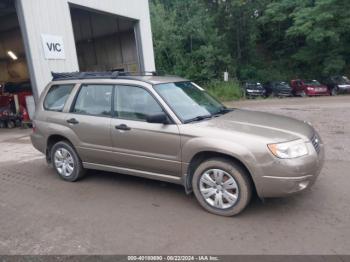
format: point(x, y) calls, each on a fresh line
point(123, 127)
point(73, 121)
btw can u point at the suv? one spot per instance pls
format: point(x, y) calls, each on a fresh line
point(278, 89)
point(252, 89)
point(170, 129)
point(338, 85)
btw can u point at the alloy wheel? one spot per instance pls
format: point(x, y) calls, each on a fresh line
point(64, 162)
point(219, 188)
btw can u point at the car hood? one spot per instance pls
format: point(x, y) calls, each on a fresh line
point(267, 126)
point(344, 86)
point(318, 86)
point(254, 88)
point(283, 87)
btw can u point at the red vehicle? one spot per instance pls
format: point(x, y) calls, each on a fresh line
point(12, 115)
point(309, 88)
point(8, 116)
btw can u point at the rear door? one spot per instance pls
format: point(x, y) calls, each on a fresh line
point(140, 145)
point(90, 119)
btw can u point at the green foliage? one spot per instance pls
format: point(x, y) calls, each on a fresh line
point(224, 91)
point(262, 40)
point(186, 40)
point(314, 36)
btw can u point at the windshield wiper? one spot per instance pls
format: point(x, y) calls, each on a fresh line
point(198, 118)
point(223, 111)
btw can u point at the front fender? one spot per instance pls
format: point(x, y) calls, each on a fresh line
point(195, 146)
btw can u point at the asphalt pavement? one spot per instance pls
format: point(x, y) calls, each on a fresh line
point(116, 214)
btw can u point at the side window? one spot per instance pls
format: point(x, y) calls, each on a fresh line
point(57, 97)
point(135, 103)
point(94, 100)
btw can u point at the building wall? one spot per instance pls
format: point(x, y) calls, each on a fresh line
point(53, 17)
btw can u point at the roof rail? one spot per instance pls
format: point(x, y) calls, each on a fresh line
point(98, 75)
point(143, 73)
point(86, 75)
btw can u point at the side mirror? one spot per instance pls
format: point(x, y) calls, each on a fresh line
point(158, 119)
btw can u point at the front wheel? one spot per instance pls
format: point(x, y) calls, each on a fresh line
point(67, 162)
point(334, 91)
point(11, 124)
point(222, 187)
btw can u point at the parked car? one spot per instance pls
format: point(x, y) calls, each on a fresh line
point(338, 85)
point(170, 129)
point(278, 89)
point(309, 88)
point(8, 117)
point(253, 89)
point(21, 89)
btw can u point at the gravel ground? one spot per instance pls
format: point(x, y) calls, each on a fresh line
point(116, 214)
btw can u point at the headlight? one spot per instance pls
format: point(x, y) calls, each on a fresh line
point(250, 91)
point(289, 150)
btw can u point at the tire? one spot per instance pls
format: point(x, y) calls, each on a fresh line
point(66, 162)
point(208, 195)
point(303, 94)
point(334, 91)
point(11, 124)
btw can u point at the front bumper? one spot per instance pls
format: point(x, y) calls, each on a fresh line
point(317, 93)
point(255, 94)
point(284, 93)
point(284, 177)
point(344, 89)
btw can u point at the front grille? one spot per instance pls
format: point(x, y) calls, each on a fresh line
point(316, 143)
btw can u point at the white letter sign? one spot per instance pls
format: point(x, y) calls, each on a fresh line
point(53, 47)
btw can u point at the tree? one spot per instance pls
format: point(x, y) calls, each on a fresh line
point(256, 39)
point(186, 40)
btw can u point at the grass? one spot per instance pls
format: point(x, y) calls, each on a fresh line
point(224, 91)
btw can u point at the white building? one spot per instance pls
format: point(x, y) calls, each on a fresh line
point(40, 36)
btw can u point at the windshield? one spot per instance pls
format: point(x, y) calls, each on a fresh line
point(342, 80)
point(189, 101)
point(312, 83)
point(346, 80)
point(254, 86)
point(283, 84)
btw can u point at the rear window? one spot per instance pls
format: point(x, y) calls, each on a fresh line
point(57, 97)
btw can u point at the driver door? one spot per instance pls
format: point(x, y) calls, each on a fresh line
point(140, 145)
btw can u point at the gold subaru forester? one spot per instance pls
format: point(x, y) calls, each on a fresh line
point(170, 129)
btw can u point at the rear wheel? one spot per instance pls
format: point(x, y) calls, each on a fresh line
point(334, 91)
point(66, 162)
point(303, 94)
point(11, 124)
point(222, 187)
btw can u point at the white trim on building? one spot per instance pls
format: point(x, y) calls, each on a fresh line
point(40, 19)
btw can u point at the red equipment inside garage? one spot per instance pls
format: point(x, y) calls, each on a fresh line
point(16, 98)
